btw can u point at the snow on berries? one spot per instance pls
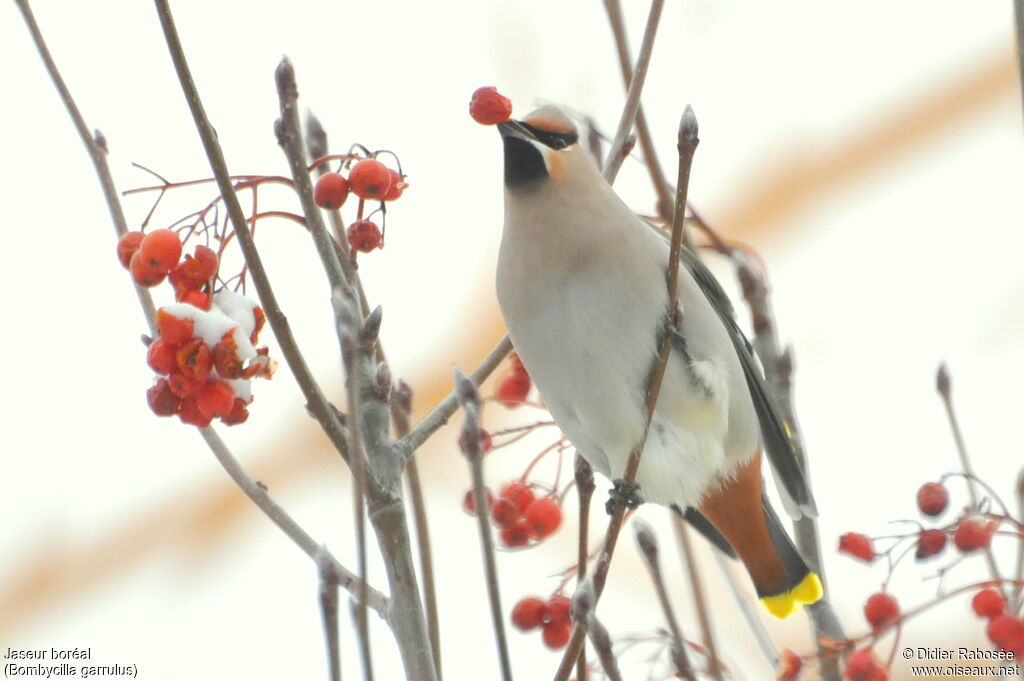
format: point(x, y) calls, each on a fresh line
point(858, 546)
point(489, 107)
point(553, 617)
point(932, 498)
point(205, 359)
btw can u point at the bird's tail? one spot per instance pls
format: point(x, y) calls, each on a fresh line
point(741, 513)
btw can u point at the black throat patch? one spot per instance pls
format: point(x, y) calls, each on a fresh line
point(524, 166)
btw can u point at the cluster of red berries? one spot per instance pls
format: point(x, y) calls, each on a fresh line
point(861, 665)
point(370, 180)
point(969, 534)
point(1004, 630)
point(204, 360)
point(553, 617)
point(519, 514)
point(489, 107)
point(204, 355)
point(514, 386)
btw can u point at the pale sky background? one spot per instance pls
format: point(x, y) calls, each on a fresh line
point(871, 152)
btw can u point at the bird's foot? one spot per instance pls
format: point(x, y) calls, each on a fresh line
point(623, 493)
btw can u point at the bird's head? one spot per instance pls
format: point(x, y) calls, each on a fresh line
point(542, 148)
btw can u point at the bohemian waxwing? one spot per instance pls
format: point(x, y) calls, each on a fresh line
point(581, 284)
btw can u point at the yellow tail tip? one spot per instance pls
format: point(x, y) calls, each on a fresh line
point(808, 591)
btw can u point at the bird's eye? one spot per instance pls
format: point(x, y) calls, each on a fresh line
point(555, 140)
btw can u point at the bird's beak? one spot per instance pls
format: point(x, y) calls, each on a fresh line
point(515, 129)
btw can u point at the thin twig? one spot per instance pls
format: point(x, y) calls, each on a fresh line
point(259, 496)
point(943, 385)
point(602, 643)
point(648, 544)
point(450, 404)
point(1018, 592)
point(643, 131)
point(699, 597)
point(632, 105)
point(749, 612)
point(687, 145)
point(584, 476)
point(94, 145)
point(329, 612)
point(469, 398)
point(318, 405)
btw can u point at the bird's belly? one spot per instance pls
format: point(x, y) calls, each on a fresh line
point(590, 360)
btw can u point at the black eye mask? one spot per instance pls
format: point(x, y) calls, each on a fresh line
point(555, 140)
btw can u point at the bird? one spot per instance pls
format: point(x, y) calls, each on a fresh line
point(581, 283)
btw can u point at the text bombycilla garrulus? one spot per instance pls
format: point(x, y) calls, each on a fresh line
point(581, 284)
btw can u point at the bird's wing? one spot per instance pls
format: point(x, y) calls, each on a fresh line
point(792, 482)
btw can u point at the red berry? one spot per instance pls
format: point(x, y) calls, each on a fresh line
point(160, 357)
point(790, 665)
point(469, 501)
point(225, 357)
point(142, 273)
point(930, 542)
point(857, 545)
point(489, 107)
point(364, 236)
point(528, 614)
point(195, 270)
point(971, 535)
point(370, 179)
point(1006, 631)
point(504, 513)
point(126, 247)
point(988, 603)
point(559, 610)
point(881, 610)
point(174, 330)
point(398, 185)
point(215, 399)
point(932, 498)
point(542, 517)
point(515, 536)
point(513, 388)
point(519, 494)
point(515, 362)
point(330, 191)
point(182, 385)
point(197, 299)
point(861, 666)
point(195, 360)
point(238, 414)
point(485, 442)
point(161, 250)
point(161, 400)
point(191, 414)
point(556, 635)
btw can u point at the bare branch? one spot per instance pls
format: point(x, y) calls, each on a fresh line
point(96, 146)
point(629, 110)
point(329, 612)
point(699, 596)
point(648, 544)
point(466, 393)
point(448, 406)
